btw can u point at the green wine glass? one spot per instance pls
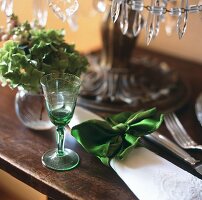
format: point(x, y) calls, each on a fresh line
point(60, 91)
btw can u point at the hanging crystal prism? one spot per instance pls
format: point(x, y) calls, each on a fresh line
point(40, 11)
point(138, 23)
point(64, 8)
point(7, 7)
point(124, 18)
point(72, 22)
point(99, 5)
point(153, 21)
point(170, 22)
point(182, 19)
point(115, 9)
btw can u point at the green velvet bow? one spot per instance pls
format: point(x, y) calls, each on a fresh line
point(115, 136)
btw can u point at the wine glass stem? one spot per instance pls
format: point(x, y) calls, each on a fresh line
point(60, 140)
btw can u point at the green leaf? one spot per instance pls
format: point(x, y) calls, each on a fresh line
point(40, 52)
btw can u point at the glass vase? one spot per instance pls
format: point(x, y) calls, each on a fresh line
point(30, 109)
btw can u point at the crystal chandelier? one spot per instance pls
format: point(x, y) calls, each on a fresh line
point(156, 14)
point(157, 10)
point(63, 9)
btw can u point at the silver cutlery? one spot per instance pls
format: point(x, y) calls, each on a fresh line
point(179, 134)
point(171, 146)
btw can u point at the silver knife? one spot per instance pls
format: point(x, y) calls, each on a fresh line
point(171, 146)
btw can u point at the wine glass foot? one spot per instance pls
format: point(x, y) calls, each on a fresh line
point(67, 161)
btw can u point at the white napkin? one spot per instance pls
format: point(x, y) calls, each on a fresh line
point(149, 176)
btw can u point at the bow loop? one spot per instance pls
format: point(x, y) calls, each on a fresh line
point(121, 128)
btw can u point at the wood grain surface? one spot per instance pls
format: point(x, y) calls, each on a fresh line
point(21, 148)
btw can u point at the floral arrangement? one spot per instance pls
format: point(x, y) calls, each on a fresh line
point(29, 52)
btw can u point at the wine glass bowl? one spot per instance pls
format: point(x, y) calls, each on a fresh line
point(60, 91)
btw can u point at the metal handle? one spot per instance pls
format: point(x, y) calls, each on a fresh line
point(171, 146)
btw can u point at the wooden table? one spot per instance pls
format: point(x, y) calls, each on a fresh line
point(21, 149)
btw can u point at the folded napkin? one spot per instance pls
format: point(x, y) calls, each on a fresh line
point(149, 176)
point(117, 134)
